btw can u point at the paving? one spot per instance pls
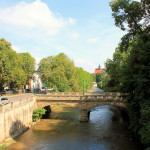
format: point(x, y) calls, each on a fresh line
point(17, 97)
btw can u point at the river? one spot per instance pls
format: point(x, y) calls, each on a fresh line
point(63, 131)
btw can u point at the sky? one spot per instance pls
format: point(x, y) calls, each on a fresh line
point(82, 29)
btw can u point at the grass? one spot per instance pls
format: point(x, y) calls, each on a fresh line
point(4, 146)
point(7, 143)
point(59, 106)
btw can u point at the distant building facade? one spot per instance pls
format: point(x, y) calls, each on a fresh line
point(98, 70)
point(34, 82)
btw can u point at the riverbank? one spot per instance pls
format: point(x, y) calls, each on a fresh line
point(101, 132)
point(11, 140)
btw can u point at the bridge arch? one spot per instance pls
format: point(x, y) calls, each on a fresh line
point(93, 105)
point(45, 104)
point(51, 106)
point(82, 103)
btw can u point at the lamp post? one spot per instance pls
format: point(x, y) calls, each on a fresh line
point(83, 87)
point(47, 85)
point(86, 85)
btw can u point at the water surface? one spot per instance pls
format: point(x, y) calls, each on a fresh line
point(100, 133)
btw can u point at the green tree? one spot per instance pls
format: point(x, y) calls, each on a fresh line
point(28, 64)
point(86, 76)
point(133, 17)
point(98, 77)
point(15, 68)
point(61, 73)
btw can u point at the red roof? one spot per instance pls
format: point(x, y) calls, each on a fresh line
point(98, 71)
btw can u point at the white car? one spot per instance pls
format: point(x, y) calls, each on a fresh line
point(4, 100)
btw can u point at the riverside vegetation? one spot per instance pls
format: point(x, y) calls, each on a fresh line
point(38, 113)
point(129, 70)
point(57, 72)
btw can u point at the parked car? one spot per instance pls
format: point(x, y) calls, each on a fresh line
point(43, 87)
point(4, 100)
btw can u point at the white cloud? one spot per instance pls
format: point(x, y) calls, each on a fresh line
point(72, 20)
point(17, 49)
point(86, 64)
point(61, 49)
point(74, 35)
point(36, 49)
point(37, 59)
point(34, 15)
point(93, 40)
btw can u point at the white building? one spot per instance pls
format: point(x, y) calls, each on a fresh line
point(36, 81)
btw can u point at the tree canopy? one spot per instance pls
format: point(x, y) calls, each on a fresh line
point(60, 73)
point(15, 68)
point(129, 70)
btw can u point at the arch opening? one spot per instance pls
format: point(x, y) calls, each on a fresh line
point(62, 112)
point(48, 111)
point(115, 112)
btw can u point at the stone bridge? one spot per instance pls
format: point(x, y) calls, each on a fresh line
point(83, 103)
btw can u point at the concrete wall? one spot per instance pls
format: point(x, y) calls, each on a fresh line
point(16, 117)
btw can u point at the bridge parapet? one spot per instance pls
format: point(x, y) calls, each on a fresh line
point(81, 94)
point(79, 98)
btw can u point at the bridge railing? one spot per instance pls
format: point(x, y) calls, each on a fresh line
point(81, 98)
point(81, 94)
point(102, 97)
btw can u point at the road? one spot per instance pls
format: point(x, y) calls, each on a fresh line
point(19, 96)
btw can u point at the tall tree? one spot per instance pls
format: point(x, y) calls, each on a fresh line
point(15, 68)
point(61, 74)
point(58, 71)
point(134, 17)
point(28, 64)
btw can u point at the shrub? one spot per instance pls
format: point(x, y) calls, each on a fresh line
point(38, 113)
point(4, 146)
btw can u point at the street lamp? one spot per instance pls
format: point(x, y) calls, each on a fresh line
point(86, 85)
point(47, 85)
point(83, 87)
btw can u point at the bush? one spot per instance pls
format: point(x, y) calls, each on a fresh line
point(38, 113)
point(4, 146)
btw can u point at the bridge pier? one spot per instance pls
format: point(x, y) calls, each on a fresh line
point(84, 115)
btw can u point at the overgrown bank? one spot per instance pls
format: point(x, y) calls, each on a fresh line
point(128, 71)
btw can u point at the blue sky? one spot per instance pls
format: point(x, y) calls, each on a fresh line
point(83, 29)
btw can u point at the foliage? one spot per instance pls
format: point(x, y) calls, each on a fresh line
point(28, 64)
point(102, 81)
point(128, 71)
point(59, 72)
point(86, 77)
point(38, 113)
point(14, 67)
point(4, 146)
point(98, 77)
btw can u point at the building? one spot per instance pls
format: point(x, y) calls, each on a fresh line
point(98, 70)
point(34, 83)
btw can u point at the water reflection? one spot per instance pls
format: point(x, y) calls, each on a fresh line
point(100, 133)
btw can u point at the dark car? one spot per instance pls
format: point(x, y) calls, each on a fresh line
point(43, 87)
point(4, 100)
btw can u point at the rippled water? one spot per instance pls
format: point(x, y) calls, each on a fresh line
point(100, 133)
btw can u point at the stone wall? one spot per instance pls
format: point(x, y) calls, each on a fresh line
point(16, 117)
